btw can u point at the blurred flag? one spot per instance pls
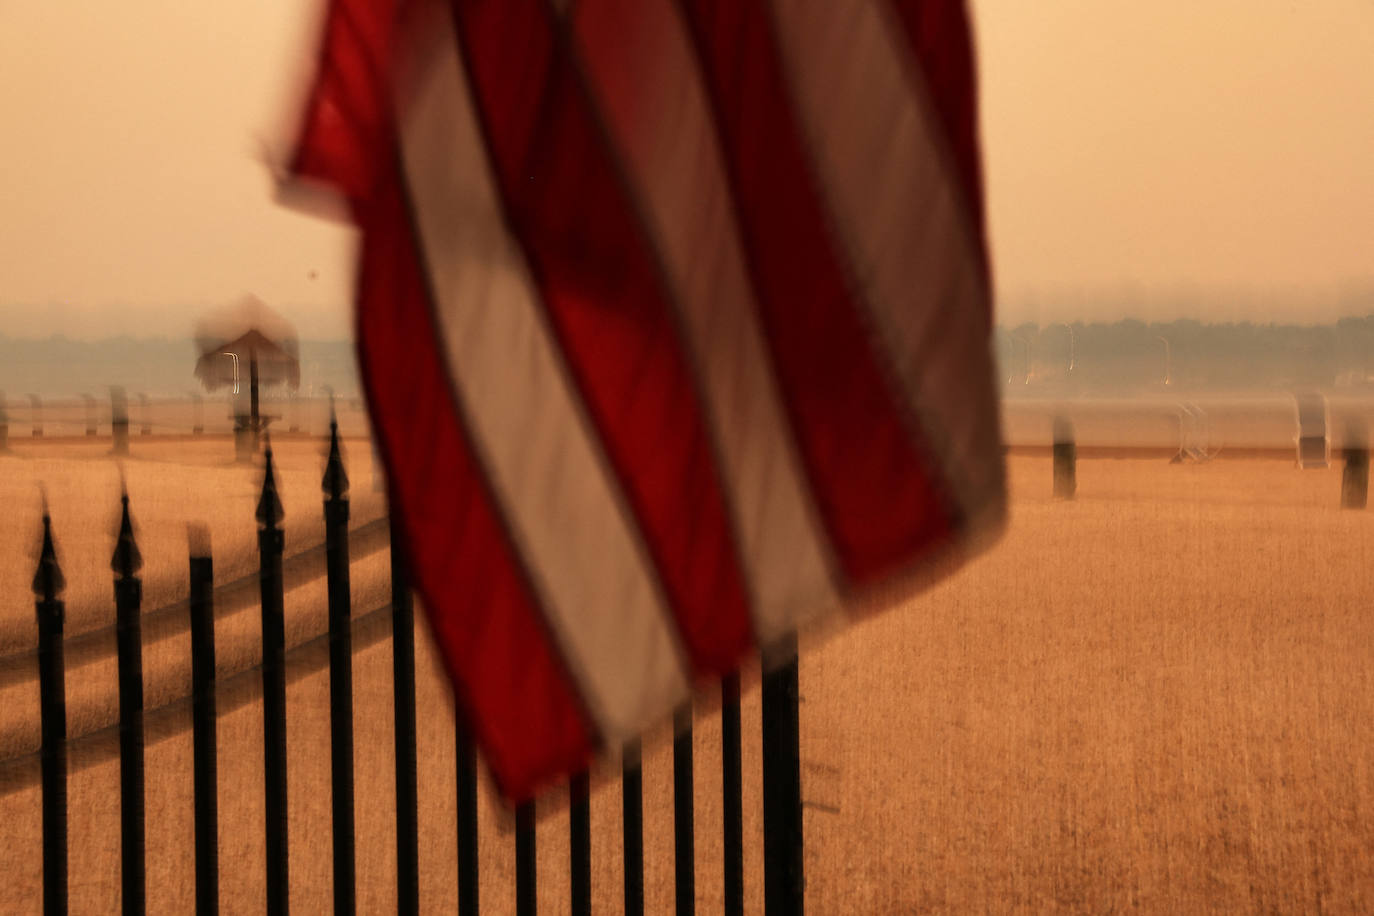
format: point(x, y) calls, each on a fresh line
point(674, 320)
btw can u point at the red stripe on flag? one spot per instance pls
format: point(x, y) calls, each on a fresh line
point(345, 136)
point(601, 288)
point(877, 492)
point(941, 45)
point(530, 721)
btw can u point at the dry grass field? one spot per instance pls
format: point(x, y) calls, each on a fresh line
point(1155, 698)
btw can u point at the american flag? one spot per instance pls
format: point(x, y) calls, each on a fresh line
point(674, 322)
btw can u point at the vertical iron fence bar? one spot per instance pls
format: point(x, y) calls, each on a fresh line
point(580, 844)
point(467, 819)
point(403, 693)
point(732, 784)
point(783, 879)
point(271, 542)
point(632, 797)
point(335, 485)
point(684, 856)
point(129, 641)
point(52, 690)
point(203, 723)
point(525, 896)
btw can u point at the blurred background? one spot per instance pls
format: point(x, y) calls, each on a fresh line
point(1152, 694)
point(1180, 201)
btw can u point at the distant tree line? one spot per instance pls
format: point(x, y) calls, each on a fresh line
point(1131, 356)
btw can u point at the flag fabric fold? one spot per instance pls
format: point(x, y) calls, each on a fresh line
point(674, 322)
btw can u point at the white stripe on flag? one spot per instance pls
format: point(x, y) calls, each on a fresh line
point(894, 201)
point(642, 62)
point(589, 569)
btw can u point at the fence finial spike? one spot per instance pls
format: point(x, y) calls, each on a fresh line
point(335, 481)
point(270, 511)
point(126, 560)
point(48, 581)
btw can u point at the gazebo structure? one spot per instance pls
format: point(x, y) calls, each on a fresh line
point(244, 347)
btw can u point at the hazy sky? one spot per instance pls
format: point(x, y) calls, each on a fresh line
point(1212, 156)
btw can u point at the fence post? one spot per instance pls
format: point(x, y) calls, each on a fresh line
point(732, 782)
point(525, 860)
point(403, 696)
point(632, 800)
point(1355, 478)
point(335, 485)
point(48, 582)
point(783, 878)
point(203, 721)
point(684, 857)
point(129, 638)
point(580, 843)
point(119, 420)
point(1065, 459)
point(271, 541)
point(36, 403)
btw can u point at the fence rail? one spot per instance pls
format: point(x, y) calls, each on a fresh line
point(211, 697)
point(119, 417)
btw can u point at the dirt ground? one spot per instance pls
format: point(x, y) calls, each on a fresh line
point(1156, 697)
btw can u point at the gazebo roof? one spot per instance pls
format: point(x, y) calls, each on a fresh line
point(231, 339)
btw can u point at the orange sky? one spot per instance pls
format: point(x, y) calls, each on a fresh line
point(1139, 155)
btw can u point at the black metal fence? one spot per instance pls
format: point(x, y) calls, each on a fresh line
point(783, 879)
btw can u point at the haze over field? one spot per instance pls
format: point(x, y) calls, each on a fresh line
point(1156, 160)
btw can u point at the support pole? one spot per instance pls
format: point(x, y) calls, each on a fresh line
point(255, 419)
